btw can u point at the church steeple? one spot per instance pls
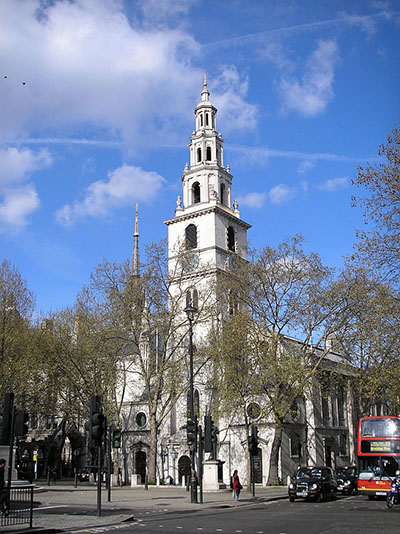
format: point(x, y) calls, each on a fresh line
point(205, 179)
point(135, 255)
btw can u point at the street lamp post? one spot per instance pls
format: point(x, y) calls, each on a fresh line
point(174, 455)
point(190, 311)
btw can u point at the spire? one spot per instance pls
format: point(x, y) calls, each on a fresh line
point(205, 95)
point(135, 256)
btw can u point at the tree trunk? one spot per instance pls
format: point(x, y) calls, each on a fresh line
point(273, 477)
point(152, 460)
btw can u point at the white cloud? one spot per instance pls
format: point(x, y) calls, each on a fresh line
point(281, 194)
point(87, 66)
point(18, 201)
point(304, 186)
point(229, 97)
point(253, 200)
point(124, 186)
point(333, 184)
point(16, 206)
point(16, 164)
point(313, 93)
point(305, 166)
point(155, 11)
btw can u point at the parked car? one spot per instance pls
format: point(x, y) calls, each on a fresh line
point(346, 479)
point(313, 483)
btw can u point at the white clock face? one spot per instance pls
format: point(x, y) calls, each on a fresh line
point(190, 261)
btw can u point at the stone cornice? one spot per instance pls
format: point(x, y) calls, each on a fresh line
point(205, 211)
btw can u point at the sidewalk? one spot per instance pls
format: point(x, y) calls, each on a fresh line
point(126, 503)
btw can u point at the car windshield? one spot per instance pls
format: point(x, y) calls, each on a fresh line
point(308, 472)
point(346, 472)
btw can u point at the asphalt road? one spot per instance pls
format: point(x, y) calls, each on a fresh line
point(348, 515)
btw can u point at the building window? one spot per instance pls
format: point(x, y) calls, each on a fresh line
point(191, 236)
point(343, 445)
point(208, 153)
point(341, 404)
point(206, 119)
point(201, 119)
point(231, 239)
point(196, 193)
point(192, 298)
point(233, 302)
point(222, 193)
point(141, 419)
point(295, 445)
point(199, 155)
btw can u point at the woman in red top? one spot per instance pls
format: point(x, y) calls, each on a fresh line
point(236, 485)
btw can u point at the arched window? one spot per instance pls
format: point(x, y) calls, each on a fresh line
point(196, 193)
point(206, 119)
point(208, 153)
point(201, 119)
point(231, 238)
point(195, 299)
point(191, 236)
point(233, 302)
point(192, 298)
point(222, 193)
point(199, 155)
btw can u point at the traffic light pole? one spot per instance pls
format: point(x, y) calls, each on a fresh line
point(10, 451)
point(109, 463)
point(200, 465)
point(99, 457)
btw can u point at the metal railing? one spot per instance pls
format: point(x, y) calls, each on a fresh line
point(18, 501)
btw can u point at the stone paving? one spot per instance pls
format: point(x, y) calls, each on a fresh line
point(51, 502)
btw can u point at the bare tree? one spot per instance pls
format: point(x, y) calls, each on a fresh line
point(379, 244)
point(288, 305)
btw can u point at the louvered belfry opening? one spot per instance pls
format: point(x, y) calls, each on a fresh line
point(191, 236)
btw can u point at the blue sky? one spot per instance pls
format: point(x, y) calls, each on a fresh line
point(97, 100)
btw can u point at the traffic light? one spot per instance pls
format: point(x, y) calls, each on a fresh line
point(97, 422)
point(253, 440)
point(6, 419)
point(116, 438)
point(21, 423)
point(191, 430)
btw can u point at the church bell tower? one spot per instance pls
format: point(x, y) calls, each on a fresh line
point(207, 221)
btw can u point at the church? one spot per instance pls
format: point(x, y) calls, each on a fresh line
point(208, 227)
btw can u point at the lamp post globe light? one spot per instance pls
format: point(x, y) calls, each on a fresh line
point(190, 311)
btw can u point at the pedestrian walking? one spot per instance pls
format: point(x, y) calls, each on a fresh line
point(236, 485)
point(3, 491)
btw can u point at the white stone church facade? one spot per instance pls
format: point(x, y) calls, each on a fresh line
point(208, 222)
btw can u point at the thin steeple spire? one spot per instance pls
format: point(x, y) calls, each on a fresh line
point(205, 95)
point(135, 256)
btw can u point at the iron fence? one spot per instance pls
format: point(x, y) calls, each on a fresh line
point(19, 506)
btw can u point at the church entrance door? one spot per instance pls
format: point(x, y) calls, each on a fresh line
point(140, 465)
point(184, 468)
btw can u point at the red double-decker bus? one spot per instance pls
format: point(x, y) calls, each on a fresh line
point(378, 453)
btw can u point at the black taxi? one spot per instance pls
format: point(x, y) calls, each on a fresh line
point(313, 483)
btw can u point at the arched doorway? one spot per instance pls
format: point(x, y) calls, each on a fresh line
point(184, 468)
point(140, 465)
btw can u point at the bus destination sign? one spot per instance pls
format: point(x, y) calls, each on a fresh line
point(380, 446)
